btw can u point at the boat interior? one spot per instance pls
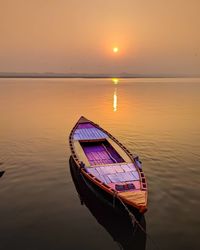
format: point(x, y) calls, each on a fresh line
point(107, 165)
point(101, 152)
point(104, 158)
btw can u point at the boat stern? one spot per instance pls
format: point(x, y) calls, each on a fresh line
point(137, 199)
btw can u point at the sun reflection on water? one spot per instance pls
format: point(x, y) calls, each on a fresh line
point(115, 100)
point(115, 81)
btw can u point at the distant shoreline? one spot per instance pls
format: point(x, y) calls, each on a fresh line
point(91, 77)
point(85, 77)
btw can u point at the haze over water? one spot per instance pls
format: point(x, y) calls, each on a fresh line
point(158, 119)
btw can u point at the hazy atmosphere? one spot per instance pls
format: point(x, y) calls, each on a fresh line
point(152, 37)
point(100, 118)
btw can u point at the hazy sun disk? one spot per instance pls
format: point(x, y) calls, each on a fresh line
point(115, 49)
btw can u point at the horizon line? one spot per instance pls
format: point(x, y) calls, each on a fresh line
point(93, 75)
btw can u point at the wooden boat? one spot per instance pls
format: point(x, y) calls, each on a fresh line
point(116, 222)
point(105, 162)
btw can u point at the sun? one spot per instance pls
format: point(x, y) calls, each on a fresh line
point(115, 49)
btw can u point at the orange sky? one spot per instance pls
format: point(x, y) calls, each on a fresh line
point(155, 36)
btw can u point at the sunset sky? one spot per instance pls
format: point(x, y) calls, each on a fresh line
point(76, 36)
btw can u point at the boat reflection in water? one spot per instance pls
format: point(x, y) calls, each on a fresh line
point(115, 220)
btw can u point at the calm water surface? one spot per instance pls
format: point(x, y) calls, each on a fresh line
point(158, 119)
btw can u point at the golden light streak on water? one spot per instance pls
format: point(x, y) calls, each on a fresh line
point(115, 100)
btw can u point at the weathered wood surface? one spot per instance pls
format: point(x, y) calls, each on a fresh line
point(89, 134)
point(119, 150)
point(138, 198)
point(80, 153)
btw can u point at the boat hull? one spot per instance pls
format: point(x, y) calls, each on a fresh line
point(106, 164)
point(115, 220)
point(107, 197)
